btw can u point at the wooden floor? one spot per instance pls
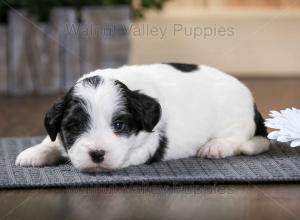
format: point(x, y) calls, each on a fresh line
point(23, 116)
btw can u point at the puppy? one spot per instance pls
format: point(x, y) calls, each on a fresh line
point(114, 118)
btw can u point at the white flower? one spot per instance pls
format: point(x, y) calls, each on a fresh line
point(288, 123)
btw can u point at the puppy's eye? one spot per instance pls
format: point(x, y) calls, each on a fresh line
point(119, 126)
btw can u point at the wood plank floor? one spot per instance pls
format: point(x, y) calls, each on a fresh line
point(23, 116)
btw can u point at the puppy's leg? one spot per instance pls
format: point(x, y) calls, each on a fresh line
point(255, 145)
point(225, 147)
point(45, 153)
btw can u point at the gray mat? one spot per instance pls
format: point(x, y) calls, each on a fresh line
point(280, 164)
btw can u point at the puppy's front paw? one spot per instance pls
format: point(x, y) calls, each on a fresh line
point(216, 149)
point(36, 157)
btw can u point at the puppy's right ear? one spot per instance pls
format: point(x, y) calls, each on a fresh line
point(53, 119)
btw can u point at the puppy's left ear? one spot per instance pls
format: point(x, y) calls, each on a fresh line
point(147, 110)
point(53, 119)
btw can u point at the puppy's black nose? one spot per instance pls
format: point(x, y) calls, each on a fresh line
point(97, 155)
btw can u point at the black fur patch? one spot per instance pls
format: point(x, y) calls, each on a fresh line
point(259, 121)
point(184, 67)
point(68, 118)
point(75, 121)
point(53, 117)
point(141, 112)
point(94, 81)
point(160, 151)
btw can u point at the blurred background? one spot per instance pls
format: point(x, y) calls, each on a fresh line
point(46, 45)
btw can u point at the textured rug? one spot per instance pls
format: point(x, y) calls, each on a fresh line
point(280, 164)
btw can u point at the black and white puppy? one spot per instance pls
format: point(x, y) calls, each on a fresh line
point(114, 118)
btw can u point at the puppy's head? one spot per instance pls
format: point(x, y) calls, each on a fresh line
point(101, 121)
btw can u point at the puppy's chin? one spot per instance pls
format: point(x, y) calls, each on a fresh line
point(94, 168)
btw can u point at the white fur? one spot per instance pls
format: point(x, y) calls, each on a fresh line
point(206, 113)
point(45, 153)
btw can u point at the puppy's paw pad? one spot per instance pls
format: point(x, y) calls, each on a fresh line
point(31, 157)
point(216, 149)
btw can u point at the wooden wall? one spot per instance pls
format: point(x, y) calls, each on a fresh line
point(48, 58)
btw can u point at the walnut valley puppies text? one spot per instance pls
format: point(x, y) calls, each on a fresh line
point(150, 30)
